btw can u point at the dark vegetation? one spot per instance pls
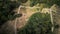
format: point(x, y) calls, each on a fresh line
point(6, 10)
point(48, 2)
point(38, 23)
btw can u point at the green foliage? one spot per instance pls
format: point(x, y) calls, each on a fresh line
point(38, 23)
point(49, 2)
point(6, 10)
point(23, 1)
point(33, 2)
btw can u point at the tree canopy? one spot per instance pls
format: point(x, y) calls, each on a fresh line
point(38, 23)
point(6, 10)
point(49, 2)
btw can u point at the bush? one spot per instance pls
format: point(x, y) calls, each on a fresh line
point(38, 23)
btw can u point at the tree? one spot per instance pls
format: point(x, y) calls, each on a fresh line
point(49, 2)
point(7, 13)
point(38, 23)
point(6, 10)
point(23, 1)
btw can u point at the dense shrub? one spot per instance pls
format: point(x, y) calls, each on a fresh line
point(48, 2)
point(38, 23)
